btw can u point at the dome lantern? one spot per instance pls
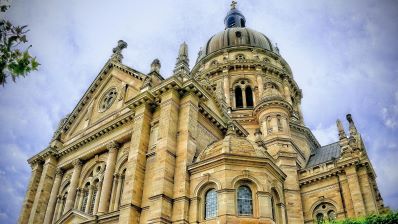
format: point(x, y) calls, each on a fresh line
point(234, 17)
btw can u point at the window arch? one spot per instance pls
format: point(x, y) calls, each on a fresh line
point(211, 204)
point(238, 97)
point(325, 211)
point(240, 57)
point(244, 201)
point(249, 96)
point(243, 93)
point(275, 206)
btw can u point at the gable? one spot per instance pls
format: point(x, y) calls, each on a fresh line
point(105, 97)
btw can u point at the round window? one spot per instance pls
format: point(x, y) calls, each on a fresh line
point(107, 100)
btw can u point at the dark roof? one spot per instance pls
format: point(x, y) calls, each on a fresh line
point(324, 154)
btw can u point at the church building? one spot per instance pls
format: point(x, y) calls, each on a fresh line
point(223, 142)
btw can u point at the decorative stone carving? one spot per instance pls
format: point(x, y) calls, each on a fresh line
point(117, 51)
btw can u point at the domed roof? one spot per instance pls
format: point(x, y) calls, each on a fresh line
point(236, 34)
point(232, 144)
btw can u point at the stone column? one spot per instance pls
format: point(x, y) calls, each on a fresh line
point(78, 196)
point(53, 197)
point(356, 193)
point(106, 189)
point(226, 87)
point(89, 198)
point(260, 83)
point(37, 169)
point(43, 191)
point(118, 192)
point(135, 173)
point(97, 197)
point(244, 97)
point(264, 204)
point(186, 148)
point(70, 200)
point(113, 194)
point(80, 204)
point(57, 209)
point(283, 213)
point(160, 210)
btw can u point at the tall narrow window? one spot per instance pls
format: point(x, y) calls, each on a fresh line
point(245, 202)
point(211, 204)
point(238, 97)
point(249, 96)
point(91, 208)
point(85, 199)
point(63, 203)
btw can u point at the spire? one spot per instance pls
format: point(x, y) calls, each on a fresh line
point(234, 17)
point(182, 65)
point(353, 129)
point(340, 128)
point(117, 51)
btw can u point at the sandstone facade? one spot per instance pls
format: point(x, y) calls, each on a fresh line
point(224, 142)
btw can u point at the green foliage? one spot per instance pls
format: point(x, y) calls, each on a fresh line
point(389, 218)
point(14, 61)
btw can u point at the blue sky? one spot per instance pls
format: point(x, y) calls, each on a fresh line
point(343, 55)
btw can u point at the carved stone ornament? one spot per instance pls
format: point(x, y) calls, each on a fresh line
point(59, 172)
point(107, 99)
point(112, 145)
point(77, 162)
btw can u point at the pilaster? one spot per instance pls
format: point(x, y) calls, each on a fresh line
point(186, 148)
point(160, 210)
point(135, 173)
point(43, 190)
point(355, 189)
point(34, 181)
point(53, 197)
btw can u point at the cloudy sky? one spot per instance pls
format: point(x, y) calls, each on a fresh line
point(343, 54)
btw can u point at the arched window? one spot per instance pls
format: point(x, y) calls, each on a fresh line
point(245, 201)
point(249, 96)
point(324, 211)
point(211, 204)
point(242, 23)
point(238, 97)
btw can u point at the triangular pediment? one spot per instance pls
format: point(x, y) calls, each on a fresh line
point(114, 85)
point(74, 216)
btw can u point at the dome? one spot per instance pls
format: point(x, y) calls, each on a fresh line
point(232, 144)
point(236, 34)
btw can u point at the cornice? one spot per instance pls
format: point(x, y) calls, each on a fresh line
point(121, 121)
point(228, 158)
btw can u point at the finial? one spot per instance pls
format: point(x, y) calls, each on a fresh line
point(155, 65)
point(353, 129)
point(233, 4)
point(340, 128)
point(181, 68)
point(117, 51)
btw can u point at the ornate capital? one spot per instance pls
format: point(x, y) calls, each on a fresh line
point(112, 146)
point(77, 162)
point(59, 172)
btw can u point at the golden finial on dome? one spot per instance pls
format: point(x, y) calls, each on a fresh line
point(233, 4)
